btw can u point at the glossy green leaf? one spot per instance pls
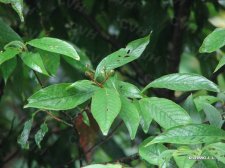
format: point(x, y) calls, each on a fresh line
point(217, 150)
point(191, 108)
point(220, 64)
point(104, 166)
point(105, 107)
point(8, 54)
point(166, 113)
point(7, 68)
point(129, 90)
point(213, 115)
point(190, 134)
point(40, 134)
point(130, 116)
point(123, 56)
point(34, 61)
point(151, 153)
point(213, 41)
point(59, 97)
point(51, 61)
point(23, 139)
point(183, 82)
point(7, 34)
point(56, 46)
point(146, 117)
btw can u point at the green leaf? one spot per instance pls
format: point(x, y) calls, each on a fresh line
point(7, 68)
point(83, 65)
point(62, 96)
point(104, 166)
point(213, 41)
point(86, 119)
point(50, 60)
point(184, 154)
point(165, 159)
point(15, 44)
point(129, 90)
point(146, 117)
point(201, 100)
point(221, 64)
point(190, 134)
point(5, 1)
point(23, 139)
point(184, 161)
point(151, 153)
point(191, 108)
point(130, 116)
point(56, 46)
point(211, 162)
point(7, 34)
point(123, 56)
point(105, 107)
point(167, 113)
point(18, 7)
point(183, 82)
point(8, 54)
point(213, 115)
point(40, 134)
point(34, 61)
point(217, 151)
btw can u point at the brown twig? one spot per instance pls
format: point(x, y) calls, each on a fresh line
point(126, 159)
point(58, 119)
point(104, 139)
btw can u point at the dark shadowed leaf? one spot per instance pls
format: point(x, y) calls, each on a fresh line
point(7, 68)
point(7, 34)
point(23, 139)
point(191, 108)
point(40, 134)
point(213, 115)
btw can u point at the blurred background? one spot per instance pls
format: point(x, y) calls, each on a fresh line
point(97, 28)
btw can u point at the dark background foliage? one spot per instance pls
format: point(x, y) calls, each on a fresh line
point(99, 27)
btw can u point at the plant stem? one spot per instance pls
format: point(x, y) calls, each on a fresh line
point(58, 119)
